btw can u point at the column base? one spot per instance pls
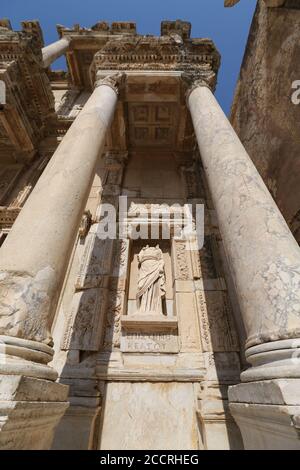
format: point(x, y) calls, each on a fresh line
point(24, 357)
point(273, 360)
point(30, 409)
point(267, 413)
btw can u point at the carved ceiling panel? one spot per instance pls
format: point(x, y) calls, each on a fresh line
point(152, 124)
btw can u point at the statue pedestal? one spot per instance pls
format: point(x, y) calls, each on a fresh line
point(149, 323)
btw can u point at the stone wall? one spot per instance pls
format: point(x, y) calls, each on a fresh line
point(263, 114)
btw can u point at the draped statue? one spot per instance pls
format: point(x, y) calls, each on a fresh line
point(151, 281)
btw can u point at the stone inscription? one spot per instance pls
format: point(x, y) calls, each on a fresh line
point(152, 343)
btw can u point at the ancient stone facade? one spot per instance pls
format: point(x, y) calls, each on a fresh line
point(130, 342)
point(264, 112)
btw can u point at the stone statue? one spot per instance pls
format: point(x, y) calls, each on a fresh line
point(151, 281)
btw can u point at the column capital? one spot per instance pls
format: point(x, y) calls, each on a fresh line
point(192, 80)
point(116, 81)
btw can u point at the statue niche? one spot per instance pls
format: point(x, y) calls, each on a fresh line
point(151, 281)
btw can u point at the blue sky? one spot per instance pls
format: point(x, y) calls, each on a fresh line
point(227, 27)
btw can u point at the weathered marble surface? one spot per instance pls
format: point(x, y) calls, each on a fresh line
point(268, 413)
point(263, 255)
point(263, 114)
point(132, 410)
point(35, 254)
point(55, 50)
point(29, 412)
point(156, 375)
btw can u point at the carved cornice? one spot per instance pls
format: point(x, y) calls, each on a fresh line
point(102, 27)
point(29, 99)
point(8, 216)
point(191, 80)
point(165, 53)
point(116, 81)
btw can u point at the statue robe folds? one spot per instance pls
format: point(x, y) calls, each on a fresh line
point(151, 281)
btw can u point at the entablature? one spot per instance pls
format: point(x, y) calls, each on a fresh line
point(29, 107)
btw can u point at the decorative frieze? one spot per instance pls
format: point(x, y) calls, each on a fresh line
point(156, 53)
point(115, 310)
point(217, 328)
point(29, 109)
point(95, 264)
point(85, 322)
point(181, 260)
point(121, 258)
point(8, 216)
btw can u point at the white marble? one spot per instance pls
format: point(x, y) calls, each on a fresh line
point(149, 416)
point(29, 411)
point(35, 254)
point(263, 255)
point(33, 262)
point(55, 50)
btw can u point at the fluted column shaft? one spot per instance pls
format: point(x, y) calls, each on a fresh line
point(263, 255)
point(34, 257)
point(55, 50)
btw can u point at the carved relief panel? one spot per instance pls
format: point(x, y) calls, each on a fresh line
point(217, 328)
point(116, 295)
point(95, 265)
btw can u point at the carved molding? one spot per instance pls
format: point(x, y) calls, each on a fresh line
point(8, 216)
point(29, 109)
point(157, 53)
point(181, 261)
point(217, 329)
point(85, 322)
point(96, 261)
point(115, 310)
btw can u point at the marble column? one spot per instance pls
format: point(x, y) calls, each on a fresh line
point(262, 254)
point(35, 255)
point(55, 50)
